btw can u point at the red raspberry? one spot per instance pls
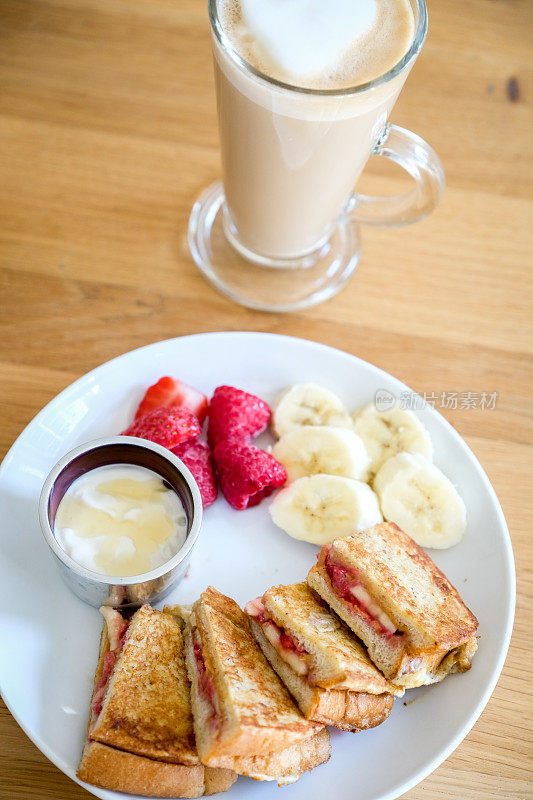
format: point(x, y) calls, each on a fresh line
point(197, 457)
point(247, 474)
point(234, 414)
point(166, 426)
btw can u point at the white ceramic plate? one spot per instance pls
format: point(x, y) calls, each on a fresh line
point(50, 638)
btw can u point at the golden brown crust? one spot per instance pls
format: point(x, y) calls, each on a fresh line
point(109, 768)
point(218, 779)
point(147, 706)
point(284, 766)
point(351, 711)
point(431, 668)
point(407, 584)
point(259, 715)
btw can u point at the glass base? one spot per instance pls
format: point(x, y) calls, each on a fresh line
point(263, 284)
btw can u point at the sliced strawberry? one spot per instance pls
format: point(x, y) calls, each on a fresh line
point(169, 392)
point(168, 427)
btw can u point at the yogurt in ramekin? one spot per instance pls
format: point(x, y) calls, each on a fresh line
point(110, 486)
point(120, 519)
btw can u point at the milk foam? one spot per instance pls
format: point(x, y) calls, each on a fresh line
point(307, 37)
point(319, 43)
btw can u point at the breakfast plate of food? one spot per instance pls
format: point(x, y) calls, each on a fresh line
point(223, 555)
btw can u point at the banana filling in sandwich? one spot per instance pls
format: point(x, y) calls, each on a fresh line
point(322, 664)
point(396, 600)
point(285, 645)
point(244, 718)
point(140, 737)
point(346, 583)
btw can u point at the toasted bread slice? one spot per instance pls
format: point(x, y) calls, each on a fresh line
point(347, 710)
point(434, 667)
point(408, 586)
point(239, 704)
point(284, 766)
point(336, 658)
point(146, 710)
point(110, 768)
point(388, 654)
point(416, 597)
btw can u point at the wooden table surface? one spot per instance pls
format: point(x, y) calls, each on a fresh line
point(108, 134)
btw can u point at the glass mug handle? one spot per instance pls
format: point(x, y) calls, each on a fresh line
point(418, 159)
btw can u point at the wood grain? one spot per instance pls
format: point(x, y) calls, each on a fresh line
point(107, 135)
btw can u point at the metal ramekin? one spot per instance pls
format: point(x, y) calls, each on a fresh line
point(92, 587)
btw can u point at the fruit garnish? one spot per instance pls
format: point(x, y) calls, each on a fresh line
point(171, 392)
point(234, 414)
point(246, 473)
point(197, 457)
point(308, 404)
point(168, 427)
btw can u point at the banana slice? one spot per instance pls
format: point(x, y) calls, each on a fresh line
point(308, 404)
point(321, 508)
point(387, 433)
point(419, 498)
point(313, 449)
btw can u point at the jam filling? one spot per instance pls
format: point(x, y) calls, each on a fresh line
point(205, 682)
point(110, 659)
point(346, 584)
point(287, 642)
point(281, 640)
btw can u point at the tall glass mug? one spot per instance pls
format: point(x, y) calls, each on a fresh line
point(281, 232)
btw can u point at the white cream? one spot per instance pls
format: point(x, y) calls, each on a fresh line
point(120, 520)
